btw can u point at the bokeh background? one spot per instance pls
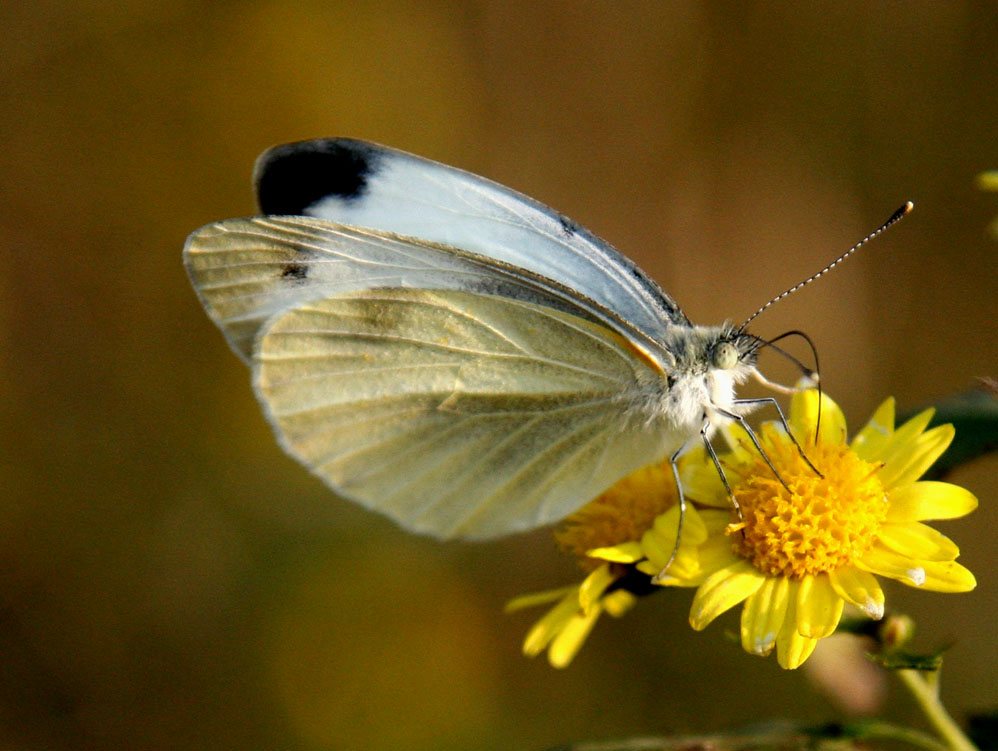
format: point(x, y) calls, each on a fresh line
point(169, 579)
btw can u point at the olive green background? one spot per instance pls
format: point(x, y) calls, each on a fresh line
point(170, 580)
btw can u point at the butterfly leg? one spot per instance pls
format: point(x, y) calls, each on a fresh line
point(720, 470)
point(681, 499)
point(674, 465)
point(740, 419)
point(786, 426)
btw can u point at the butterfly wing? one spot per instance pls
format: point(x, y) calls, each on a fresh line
point(367, 185)
point(248, 270)
point(457, 414)
point(435, 346)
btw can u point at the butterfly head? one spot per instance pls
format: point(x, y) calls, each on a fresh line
point(731, 358)
point(733, 351)
point(706, 353)
point(708, 362)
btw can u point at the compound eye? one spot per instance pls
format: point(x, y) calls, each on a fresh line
point(725, 356)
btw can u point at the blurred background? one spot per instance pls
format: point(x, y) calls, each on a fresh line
point(170, 579)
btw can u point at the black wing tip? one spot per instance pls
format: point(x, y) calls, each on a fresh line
point(291, 177)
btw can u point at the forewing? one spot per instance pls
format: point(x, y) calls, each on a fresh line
point(367, 185)
point(248, 270)
point(455, 413)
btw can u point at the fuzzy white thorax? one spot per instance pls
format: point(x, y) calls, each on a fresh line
point(694, 392)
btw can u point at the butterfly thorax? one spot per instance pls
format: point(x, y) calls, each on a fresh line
point(694, 391)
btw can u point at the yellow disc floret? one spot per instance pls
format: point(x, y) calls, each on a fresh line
point(821, 523)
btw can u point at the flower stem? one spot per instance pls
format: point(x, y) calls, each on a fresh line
point(917, 738)
point(927, 696)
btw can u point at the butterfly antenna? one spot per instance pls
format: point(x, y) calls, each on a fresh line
point(895, 217)
point(814, 375)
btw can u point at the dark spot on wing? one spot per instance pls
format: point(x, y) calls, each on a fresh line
point(295, 271)
point(673, 312)
point(568, 226)
point(500, 287)
point(292, 177)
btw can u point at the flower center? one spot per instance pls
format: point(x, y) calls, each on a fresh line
point(620, 514)
point(822, 523)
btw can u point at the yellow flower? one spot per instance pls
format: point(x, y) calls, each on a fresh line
point(607, 537)
point(802, 551)
point(564, 629)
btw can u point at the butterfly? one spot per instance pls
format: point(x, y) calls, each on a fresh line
point(451, 353)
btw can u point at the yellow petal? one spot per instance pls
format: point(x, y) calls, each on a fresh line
point(935, 576)
point(618, 602)
point(870, 441)
point(656, 549)
point(712, 556)
point(659, 542)
point(716, 554)
point(804, 418)
point(923, 501)
point(701, 483)
point(625, 552)
point(594, 585)
point(901, 437)
point(906, 466)
point(694, 531)
point(722, 591)
point(647, 567)
point(947, 576)
point(542, 632)
point(537, 598)
point(683, 572)
point(715, 521)
point(819, 607)
point(885, 562)
point(571, 638)
point(763, 616)
point(859, 588)
point(792, 649)
point(740, 448)
point(918, 541)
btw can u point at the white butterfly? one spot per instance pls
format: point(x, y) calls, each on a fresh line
point(449, 352)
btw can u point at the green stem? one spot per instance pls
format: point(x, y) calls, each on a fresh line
point(875, 729)
point(927, 697)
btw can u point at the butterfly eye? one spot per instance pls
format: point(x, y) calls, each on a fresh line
point(725, 356)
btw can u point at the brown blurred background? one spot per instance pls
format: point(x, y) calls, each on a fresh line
point(170, 580)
